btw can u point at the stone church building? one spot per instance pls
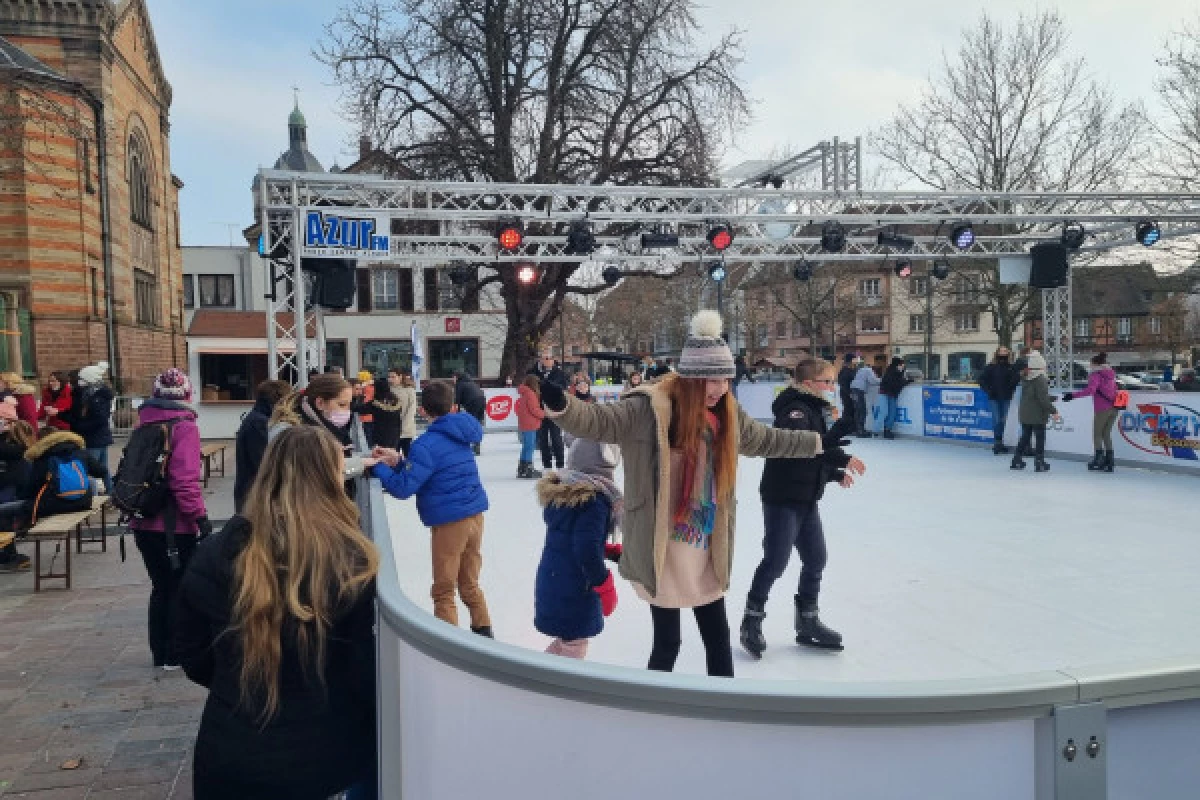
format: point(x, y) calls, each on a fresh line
point(90, 260)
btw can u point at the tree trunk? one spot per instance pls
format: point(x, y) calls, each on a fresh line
point(530, 310)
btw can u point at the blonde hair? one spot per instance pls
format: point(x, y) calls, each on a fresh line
point(809, 369)
point(306, 561)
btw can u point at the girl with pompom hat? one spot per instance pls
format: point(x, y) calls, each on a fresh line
point(681, 438)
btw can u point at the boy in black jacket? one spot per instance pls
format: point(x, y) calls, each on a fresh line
point(790, 491)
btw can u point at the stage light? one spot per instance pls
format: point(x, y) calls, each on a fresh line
point(894, 240)
point(1073, 235)
point(802, 271)
point(903, 268)
point(527, 274)
point(833, 237)
point(611, 274)
point(1147, 233)
point(963, 236)
point(461, 274)
point(716, 271)
point(509, 234)
point(941, 270)
point(580, 239)
point(720, 237)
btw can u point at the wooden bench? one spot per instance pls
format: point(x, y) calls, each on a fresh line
point(58, 528)
point(207, 452)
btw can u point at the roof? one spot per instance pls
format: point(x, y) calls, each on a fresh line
point(1120, 289)
point(298, 159)
point(237, 324)
point(14, 58)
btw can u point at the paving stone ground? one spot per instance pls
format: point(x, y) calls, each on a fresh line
point(77, 688)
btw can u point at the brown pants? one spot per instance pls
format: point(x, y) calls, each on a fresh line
point(457, 559)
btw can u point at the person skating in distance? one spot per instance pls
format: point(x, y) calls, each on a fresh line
point(680, 439)
point(790, 490)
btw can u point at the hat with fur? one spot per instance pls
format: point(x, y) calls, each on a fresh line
point(173, 384)
point(705, 354)
point(94, 374)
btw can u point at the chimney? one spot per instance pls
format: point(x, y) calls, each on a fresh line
point(364, 146)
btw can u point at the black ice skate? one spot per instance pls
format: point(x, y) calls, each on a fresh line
point(1040, 465)
point(752, 636)
point(811, 632)
point(1097, 461)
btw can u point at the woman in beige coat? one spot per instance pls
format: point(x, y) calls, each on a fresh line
point(681, 438)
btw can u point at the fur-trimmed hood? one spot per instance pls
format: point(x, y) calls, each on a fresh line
point(23, 388)
point(52, 440)
point(552, 491)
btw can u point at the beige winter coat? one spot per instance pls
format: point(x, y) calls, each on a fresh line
point(639, 423)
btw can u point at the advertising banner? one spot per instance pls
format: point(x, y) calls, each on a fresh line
point(910, 412)
point(1160, 427)
point(345, 233)
point(501, 409)
point(961, 413)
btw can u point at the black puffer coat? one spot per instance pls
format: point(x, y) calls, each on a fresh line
point(801, 481)
point(999, 381)
point(251, 444)
point(322, 740)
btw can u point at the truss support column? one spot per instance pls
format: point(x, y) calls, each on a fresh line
point(268, 241)
point(299, 294)
point(1057, 336)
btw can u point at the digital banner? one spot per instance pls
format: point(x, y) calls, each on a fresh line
point(345, 233)
point(957, 413)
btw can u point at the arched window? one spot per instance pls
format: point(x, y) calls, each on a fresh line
point(139, 184)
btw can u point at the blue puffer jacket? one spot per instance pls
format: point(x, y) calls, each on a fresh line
point(572, 560)
point(440, 470)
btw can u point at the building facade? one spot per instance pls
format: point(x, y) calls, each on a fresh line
point(90, 266)
point(947, 319)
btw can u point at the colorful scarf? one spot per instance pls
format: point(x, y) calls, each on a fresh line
point(695, 516)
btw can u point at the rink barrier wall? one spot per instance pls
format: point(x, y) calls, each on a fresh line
point(954, 738)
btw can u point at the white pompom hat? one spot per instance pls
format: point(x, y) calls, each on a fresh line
point(705, 355)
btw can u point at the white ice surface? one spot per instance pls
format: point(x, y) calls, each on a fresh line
point(943, 564)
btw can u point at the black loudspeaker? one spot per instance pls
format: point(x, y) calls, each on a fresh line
point(335, 287)
point(1049, 270)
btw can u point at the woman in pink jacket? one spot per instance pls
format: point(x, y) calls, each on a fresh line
point(167, 540)
point(1102, 388)
point(529, 421)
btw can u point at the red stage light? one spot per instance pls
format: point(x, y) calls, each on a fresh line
point(720, 237)
point(510, 237)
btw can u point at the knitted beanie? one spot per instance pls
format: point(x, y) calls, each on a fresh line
point(594, 458)
point(173, 384)
point(94, 374)
point(1036, 361)
point(705, 354)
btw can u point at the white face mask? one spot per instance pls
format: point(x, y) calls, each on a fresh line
point(830, 396)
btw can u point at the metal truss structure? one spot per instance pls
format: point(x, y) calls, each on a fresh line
point(840, 164)
point(447, 222)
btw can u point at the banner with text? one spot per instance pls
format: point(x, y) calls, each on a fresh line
point(957, 413)
point(345, 233)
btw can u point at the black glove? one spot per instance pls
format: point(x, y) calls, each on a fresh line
point(835, 457)
point(553, 396)
point(833, 440)
point(205, 528)
point(1068, 397)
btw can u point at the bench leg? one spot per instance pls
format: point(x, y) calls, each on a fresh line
point(78, 532)
point(37, 565)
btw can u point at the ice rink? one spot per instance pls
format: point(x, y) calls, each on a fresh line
point(943, 564)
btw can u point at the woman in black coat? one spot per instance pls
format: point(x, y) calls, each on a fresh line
point(252, 437)
point(283, 720)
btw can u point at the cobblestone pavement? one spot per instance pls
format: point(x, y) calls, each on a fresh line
point(83, 714)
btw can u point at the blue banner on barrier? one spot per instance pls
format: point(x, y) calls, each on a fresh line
point(957, 414)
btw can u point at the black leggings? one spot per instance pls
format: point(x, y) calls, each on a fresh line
point(714, 631)
point(1038, 434)
point(164, 589)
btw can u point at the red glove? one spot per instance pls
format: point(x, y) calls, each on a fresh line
point(612, 551)
point(608, 595)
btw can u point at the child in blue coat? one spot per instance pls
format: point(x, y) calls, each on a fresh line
point(574, 590)
point(440, 470)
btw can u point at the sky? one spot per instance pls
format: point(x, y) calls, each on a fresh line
point(814, 71)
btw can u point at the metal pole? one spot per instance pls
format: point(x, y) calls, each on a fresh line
point(271, 295)
point(837, 165)
point(928, 327)
point(562, 332)
point(299, 294)
point(858, 163)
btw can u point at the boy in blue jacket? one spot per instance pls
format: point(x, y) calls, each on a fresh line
point(440, 470)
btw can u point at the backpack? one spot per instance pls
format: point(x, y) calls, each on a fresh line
point(67, 484)
point(140, 484)
point(1121, 400)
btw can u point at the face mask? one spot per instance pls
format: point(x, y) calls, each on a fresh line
point(338, 418)
point(1001, 359)
point(830, 396)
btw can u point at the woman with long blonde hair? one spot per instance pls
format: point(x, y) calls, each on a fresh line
point(275, 619)
point(681, 438)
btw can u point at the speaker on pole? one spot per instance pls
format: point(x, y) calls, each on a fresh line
point(1049, 268)
point(334, 283)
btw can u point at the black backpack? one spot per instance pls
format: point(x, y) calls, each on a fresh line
point(140, 484)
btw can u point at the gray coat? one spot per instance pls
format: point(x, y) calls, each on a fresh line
point(1036, 406)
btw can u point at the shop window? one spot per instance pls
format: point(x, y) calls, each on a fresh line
point(380, 355)
point(216, 291)
point(447, 356)
point(966, 366)
point(335, 354)
point(231, 376)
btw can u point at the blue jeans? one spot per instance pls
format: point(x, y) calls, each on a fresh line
point(999, 417)
point(528, 445)
point(785, 528)
point(100, 455)
point(890, 418)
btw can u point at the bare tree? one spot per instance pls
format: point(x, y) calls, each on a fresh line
point(1013, 111)
point(1177, 126)
point(539, 91)
point(823, 304)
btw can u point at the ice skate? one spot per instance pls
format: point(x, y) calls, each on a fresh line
point(1017, 462)
point(1107, 464)
point(751, 635)
point(811, 632)
point(1097, 461)
point(1040, 465)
